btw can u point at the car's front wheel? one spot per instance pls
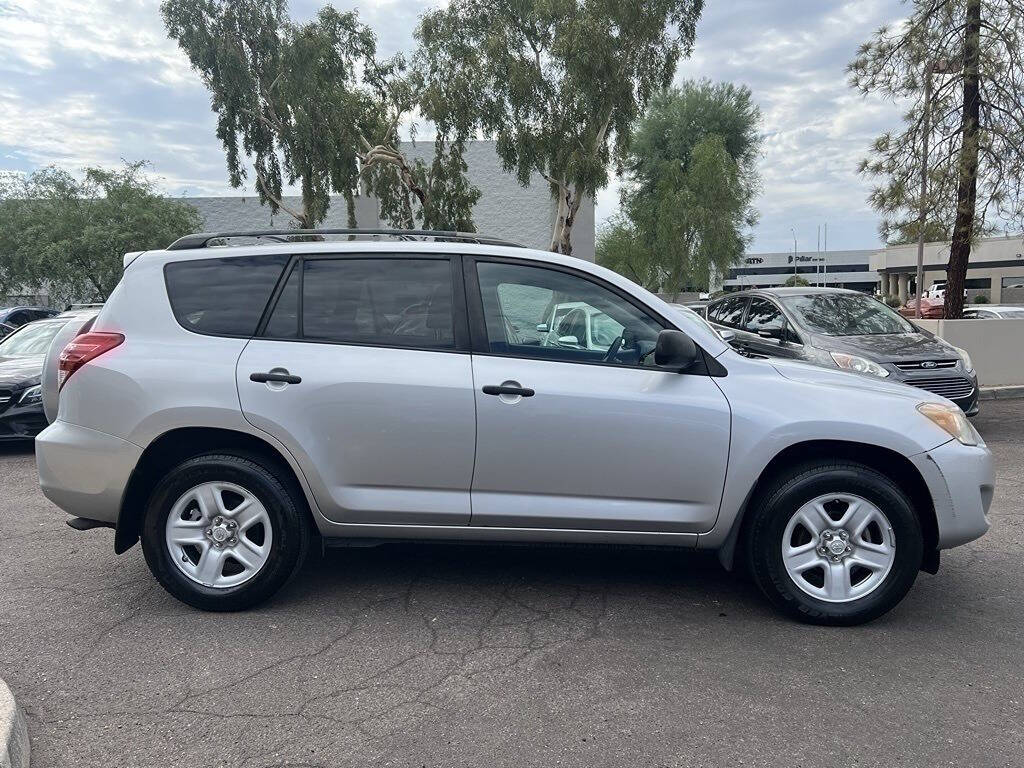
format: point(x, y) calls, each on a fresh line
point(222, 533)
point(834, 543)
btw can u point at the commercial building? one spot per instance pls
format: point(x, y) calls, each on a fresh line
point(506, 209)
point(836, 269)
point(995, 269)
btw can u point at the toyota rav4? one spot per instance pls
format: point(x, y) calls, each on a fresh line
point(238, 399)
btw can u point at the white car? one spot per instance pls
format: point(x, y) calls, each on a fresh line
point(993, 312)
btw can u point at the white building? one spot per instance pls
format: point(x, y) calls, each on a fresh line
point(995, 269)
point(506, 210)
point(836, 269)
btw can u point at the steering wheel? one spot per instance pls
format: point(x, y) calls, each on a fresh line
point(613, 350)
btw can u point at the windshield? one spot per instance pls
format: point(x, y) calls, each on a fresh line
point(1012, 314)
point(846, 314)
point(29, 340)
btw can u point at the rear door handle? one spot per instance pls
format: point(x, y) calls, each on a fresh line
point(504, 389)
point(282, 377)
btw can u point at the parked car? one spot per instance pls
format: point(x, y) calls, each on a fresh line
point(232, 403)
point(18, 316)
point(5, 329)
point(994, 312)
point(931, 308)
point(840, 328)
point(577, 325)
point(938, 291)
point(22, 353)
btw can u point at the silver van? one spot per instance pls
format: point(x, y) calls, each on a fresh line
point(239, 398)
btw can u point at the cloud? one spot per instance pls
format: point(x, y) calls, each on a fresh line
point(85, 82)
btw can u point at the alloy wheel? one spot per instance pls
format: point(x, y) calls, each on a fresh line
point(218, 534)
point(838, 547)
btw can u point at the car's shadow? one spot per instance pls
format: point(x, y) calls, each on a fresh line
point(17, 447)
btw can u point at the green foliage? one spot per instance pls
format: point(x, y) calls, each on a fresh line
point(690, 184)
point(68, 236)
point(558, 84)
point(981, 298)
point(893, 301)
point(312, 105)
point(974, 129)
point(905, 232)
point(795, 281)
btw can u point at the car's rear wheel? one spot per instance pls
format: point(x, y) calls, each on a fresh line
point(222, 533)
point(834, 543)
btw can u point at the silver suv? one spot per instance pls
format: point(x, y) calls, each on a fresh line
point(238, 397)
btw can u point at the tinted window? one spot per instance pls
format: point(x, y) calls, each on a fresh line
point(537, 312)
point(846, 314)
point(390, 302)
point(763, 316)
point(728, 311)
point(223, 297)
point(284, 322)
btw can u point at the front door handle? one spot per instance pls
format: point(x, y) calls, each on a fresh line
point(281, 377)
point(504, 389)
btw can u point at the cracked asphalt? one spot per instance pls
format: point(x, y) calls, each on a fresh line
point(438, 655)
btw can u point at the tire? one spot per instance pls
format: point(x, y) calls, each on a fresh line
point(268, 551)
point(890, 545)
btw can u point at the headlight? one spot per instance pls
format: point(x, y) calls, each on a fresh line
point(31, 395)
point(858, 364)
point(968, 365)
point(951, 419)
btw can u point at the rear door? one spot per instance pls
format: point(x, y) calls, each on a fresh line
point(578, 438)
point(363, 371)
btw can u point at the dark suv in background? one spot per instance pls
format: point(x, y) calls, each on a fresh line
point(838, 328)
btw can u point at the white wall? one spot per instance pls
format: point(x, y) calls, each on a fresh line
point(996, 347)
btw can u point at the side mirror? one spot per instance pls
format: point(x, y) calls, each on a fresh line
point(542, 327)
point(674, 351)
point(770, 333)
point(728, 336)
point(569, 340)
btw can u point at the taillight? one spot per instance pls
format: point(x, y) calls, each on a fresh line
point(82, 349)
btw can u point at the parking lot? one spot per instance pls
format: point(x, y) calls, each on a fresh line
point(437, 655)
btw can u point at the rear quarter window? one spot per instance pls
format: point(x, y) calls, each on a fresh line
point(224, 296)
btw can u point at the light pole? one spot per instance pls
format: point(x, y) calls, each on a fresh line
point(794, 251)
point(937, 67)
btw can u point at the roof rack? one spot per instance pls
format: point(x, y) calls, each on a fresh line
point(204, 239)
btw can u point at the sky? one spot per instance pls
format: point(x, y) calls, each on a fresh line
point(95, 82)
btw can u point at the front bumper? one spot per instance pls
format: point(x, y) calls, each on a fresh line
point(961, 479)
point(83, 471)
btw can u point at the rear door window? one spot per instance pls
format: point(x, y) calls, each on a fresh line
point(728, 312)
point(393, 302)
point(224, 296)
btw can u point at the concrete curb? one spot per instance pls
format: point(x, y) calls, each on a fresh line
point(14, 747)
point(1001, 393)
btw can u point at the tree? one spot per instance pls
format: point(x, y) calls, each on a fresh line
point(691, 178)
point(795, 281)
point(558, 84)
point(68, 236)
point(310, 104)
point(974, 51)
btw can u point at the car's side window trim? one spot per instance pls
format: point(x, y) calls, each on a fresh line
point(478, 323)
point(460, 324)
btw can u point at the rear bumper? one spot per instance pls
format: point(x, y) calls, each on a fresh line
point(83, 471)
point(961, 479)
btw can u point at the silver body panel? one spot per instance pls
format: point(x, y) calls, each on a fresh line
point(393, 443)
point(385, 435)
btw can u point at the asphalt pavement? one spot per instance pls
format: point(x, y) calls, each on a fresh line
point(438, 655)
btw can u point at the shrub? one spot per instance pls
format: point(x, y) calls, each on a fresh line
point(981, 298)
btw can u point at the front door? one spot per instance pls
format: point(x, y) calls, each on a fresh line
point(586, 436)
point(766, 331)
point(358, 372)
